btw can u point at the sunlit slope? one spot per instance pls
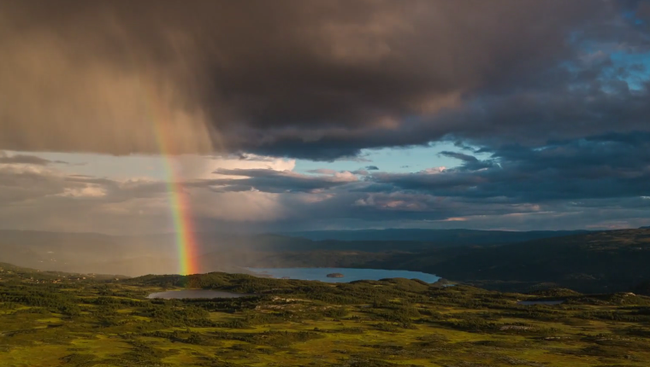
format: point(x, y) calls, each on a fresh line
point(395, 322)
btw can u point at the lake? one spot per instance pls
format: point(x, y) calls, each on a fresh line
point(349, 274)
point(195, 293)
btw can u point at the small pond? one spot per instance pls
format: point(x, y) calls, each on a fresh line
point(348, 274)
point(195, 293)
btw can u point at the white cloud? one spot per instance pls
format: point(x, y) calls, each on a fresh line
point(190, 167)
point(434, 170)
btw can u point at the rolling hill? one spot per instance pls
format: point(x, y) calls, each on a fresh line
point(589, 261)
point(599, 261)
point(156, 254)
point(438, 236)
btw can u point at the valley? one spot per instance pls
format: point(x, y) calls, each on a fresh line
point(591, 262)
point(110, 321)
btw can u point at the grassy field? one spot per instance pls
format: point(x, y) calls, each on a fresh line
point(49, 321)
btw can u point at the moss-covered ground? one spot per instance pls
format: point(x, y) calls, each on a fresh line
point(396, 322)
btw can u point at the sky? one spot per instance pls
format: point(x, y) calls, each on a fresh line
point(294, 115)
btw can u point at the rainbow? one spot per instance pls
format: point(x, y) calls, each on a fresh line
point(185, 235)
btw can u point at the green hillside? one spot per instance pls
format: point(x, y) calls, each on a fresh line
point(392, 322)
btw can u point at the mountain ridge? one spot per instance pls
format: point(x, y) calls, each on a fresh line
point(475, 236)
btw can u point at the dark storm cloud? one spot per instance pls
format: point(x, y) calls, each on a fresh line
point(567, 108)
point(562, 184)
point(614, 165)
point(598, 180)
point(546, 102)
point(311, 79)
point(469, 161)
point(644, 10)
point(609, 166)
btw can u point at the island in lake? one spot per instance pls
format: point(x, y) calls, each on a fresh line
point(335, 275)
point(346, 274)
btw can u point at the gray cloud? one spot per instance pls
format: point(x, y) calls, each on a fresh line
point(469, 161)
point(272, 181)
point(295, 78)
point(592, 182)
point(26, 159)
point(19, 186)
point(603, 166)
point(534, 86)
point(644, 10)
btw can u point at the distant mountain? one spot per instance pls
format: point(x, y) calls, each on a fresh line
point(156, 254)
point(598, 261)
point(13, 272)
point(588, 262)
point(351, 248)
point(91, 252)
point(606, 261)
point(440, 236)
